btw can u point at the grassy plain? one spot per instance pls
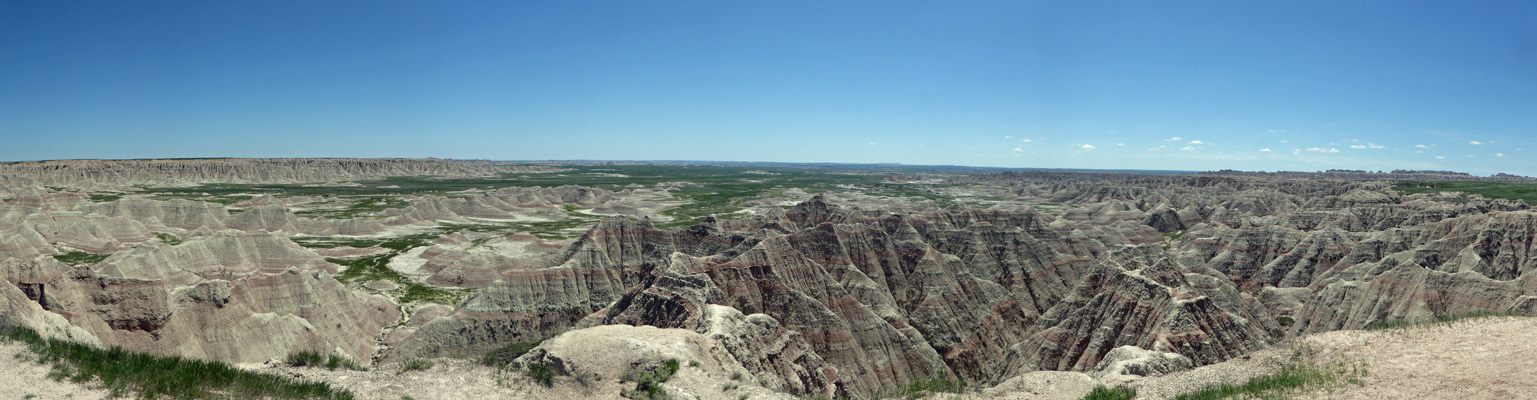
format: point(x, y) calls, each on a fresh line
point(1498, 190)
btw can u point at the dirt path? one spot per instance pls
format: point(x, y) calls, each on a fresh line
point(1490, 358)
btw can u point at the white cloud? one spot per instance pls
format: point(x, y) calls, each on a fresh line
point(1087, 147)
point(1475, 142)
point(1276, 131)
point(1472, 156)
point(1026, 140)
point(872, 143)
point(1196, 142)
point(1323, 150)
point(1187, 148)
point(1174, 139)
point(1419, 152)
point(1357, 146)
point(1008, 137)
point(1018, 149)
point(1120, 144)
point(1421, 146)
point(1285, 141)
point(1375, 146)
point(1355, 140)
point(1440, 158)
point(1500, 155)
point(1265, 150)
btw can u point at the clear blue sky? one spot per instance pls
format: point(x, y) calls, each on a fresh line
point(1273, 85)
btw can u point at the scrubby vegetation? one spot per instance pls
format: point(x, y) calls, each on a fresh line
point(1116, 393)
point(416, 364)
point(124, 372)
point(1303, 372)
point(1496, 190)
point(76, 257)
point(648, 381)
point(313, 359)
point(922, 387)
point(1439, 319)
point(168, 238)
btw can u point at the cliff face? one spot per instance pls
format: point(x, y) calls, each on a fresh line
point(882, 298)
point(886, 296)
point(228, 296)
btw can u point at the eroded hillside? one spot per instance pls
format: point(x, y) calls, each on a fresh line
point(836, 281)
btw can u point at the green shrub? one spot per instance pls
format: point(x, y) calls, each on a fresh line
point(541, 373)
point(1116, 393)
point(416, 364)
point(648, 383)
point(305, 359)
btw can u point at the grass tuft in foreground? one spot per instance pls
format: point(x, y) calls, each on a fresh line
point(1304, 372)
point(313, 359)
point(1439, 319)
point(648, 382)
point(416, 364)
point(922, 387)
point(1116, 393)
point(122, 372)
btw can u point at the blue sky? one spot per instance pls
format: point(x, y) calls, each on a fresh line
point(1072, 84)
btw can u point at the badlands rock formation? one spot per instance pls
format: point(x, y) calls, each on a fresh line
point(1118, 275)
point(125, 173)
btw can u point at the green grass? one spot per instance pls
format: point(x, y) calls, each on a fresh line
point(1437, 320)
point(923, 387)
point(76, 257)
point(541, 373)
point(313, 359)
point(1116, 393)
point(1303, 373)
point(122, 372)
point(105, 197)
point(362, 207)
point(648, 382)
point(360, 271)
point(416, 364)
point(376, 268)
point(1498, 190)
point(168, 238)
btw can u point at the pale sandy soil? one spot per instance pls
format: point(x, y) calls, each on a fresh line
point(1491, 358)
point(21, 377)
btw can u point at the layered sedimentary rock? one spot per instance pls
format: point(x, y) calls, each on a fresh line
point(124, 173)
point(230, 296)
point(845, 294)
